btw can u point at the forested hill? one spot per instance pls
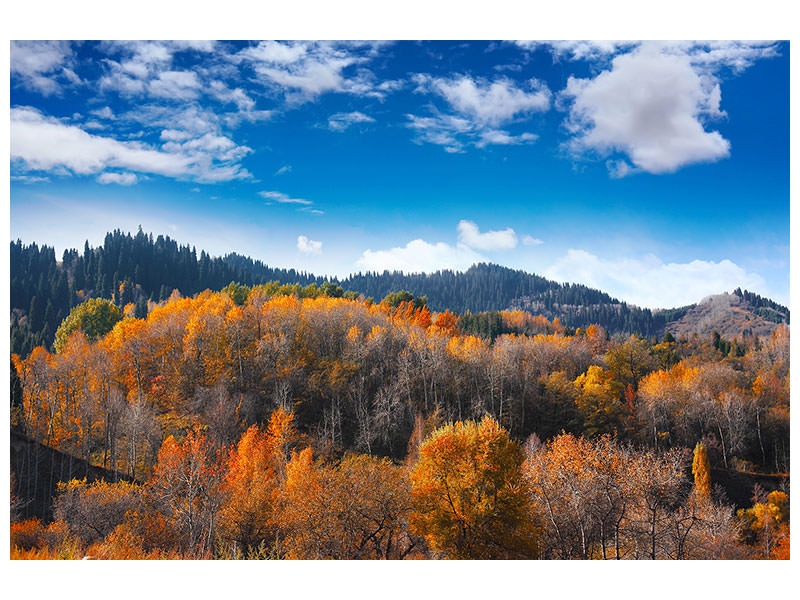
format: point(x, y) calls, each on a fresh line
point(137, 268)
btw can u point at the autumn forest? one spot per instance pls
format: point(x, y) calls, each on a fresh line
point(284, 421)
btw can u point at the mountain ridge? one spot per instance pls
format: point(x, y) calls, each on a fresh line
point(136, 268)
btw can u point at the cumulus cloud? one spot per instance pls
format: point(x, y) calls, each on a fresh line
point(284, 169)
point(653, 104)
point(39, 142)
point(124, 178)
point(341, 121)
point(651, 283)
point(419, 256)
point(282, 198)
point(307, 246)
point(478, 107)
point(39, 65)
point(470, 235)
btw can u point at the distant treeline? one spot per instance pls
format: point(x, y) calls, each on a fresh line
point(137, 268)
point(765, 308)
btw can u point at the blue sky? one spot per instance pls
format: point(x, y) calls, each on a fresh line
point(658, 172)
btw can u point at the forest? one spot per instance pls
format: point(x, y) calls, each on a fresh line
point(140, 268)
point(298, 421)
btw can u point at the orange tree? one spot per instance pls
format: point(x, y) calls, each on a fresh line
point(470, 498)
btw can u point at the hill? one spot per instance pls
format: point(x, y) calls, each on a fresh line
point(39, 468)
point(735, 315)
point(135, 269)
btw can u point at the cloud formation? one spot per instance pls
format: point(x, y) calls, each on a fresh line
point(649, 282)
point(307, 246)
point(282, 198)
point(342, 121)
point(470, 235)
point(123, 178)
point(39, 142)
point(305, 70)
point(529, 240)
point(653, 105)
point(42, 66)
point(419, 256)
point(478, 108)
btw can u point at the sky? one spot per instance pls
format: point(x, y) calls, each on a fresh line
point(655, 171)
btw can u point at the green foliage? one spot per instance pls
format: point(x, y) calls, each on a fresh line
point(237, 292)
point(331, 290)
point(395, 298)
point(95, 318)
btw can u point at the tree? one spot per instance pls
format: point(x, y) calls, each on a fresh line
point(256, 471)
point(92, 510)
point(766, 524)
point(470, 498)
point(702, 473)
point(95, 317)
point(357, 509)
point(630, 361)
point(187, 488)
point(599, 402)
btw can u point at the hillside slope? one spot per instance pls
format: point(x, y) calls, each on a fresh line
point(731, 315)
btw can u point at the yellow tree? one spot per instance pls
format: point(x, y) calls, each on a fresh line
point(701, 472)
point(599, 402)
point(470, 498)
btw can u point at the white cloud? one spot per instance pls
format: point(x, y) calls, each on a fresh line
point(178, 85)
point(222, 92)
point(282, 198)
point(30, 178)
point(341, 121)
point(529, 240)
point(653, 104)
point(419, 256)
point(275, 52)
point(443, 130)
point(499, 137)
point(103, 113)
point(311, 68)
point(284, 169)
point(651, 283)
point(307, 246)
point(479, 107)
point(581, 49)
point(119, 178)
point(489, 102)
point(305, 70)
point(470, 235)
point(38, 64)
point(39, 142)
